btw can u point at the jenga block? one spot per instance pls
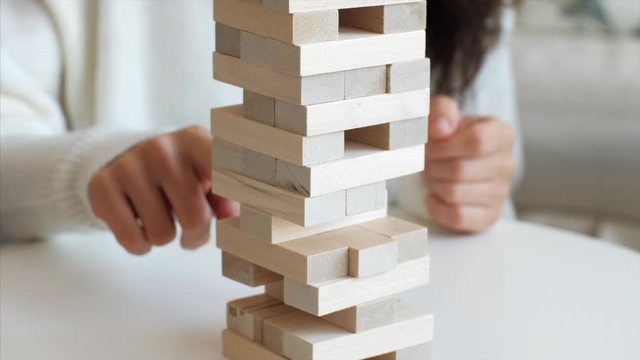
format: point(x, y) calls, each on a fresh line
point(365, 316)
point(304, 211)
point(249, 15)
point(354, 49)
point(259, 108)
point(365, 82)
point(304, 90)
point(412, 239)
point(298, 335)
point(362, 165)
point(272, 229)
point(408, 76)
point(351, 114)
point(275, 290)
point(245, 272)
point(228, 124)
point(366, 198)
point(334, 295)
point(227, 40)
point(418, 352)
point(387, 19)
point(372, 256)
point(240, 314)
point(255, 165)
point(237, 347)
point(299, 6)
point(391, 136)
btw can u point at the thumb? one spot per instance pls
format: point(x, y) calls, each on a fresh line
point(444, 117)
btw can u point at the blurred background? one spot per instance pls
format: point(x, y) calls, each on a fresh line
point(577, 67)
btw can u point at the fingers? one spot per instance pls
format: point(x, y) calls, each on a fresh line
point(223, 208)
point(444, 117)
point(499, 166)
point(464, 218)
point(196, 143)
point(470, 193)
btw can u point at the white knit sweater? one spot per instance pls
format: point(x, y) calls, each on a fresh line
point(81, 82)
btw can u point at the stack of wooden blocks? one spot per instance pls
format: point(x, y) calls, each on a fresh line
point(336, 99)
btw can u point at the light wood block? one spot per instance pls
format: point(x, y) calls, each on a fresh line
point(365, 316)
point(366, 198)
point(312, 259)
point(418, 352)
point(351, 114)
point(249, 15)
point(354, 49)
point(408, 76)
point(259, 108)
point(302, 336)
point(362, 165)
point(335, 295)
point(363, 82)
point(304, 211)
point(245, 272)
point(304, 90)
point(237, 347)
point(298, 6)
point(275, 290)
point(391, 136)
point(255, 165)
point(246, 316)
point(387, 19)
point(229, 124)
point(227, 40)
point(412, 238)
point(372, 256)
point(274, 230)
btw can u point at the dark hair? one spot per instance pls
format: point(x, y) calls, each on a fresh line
point(459, 35)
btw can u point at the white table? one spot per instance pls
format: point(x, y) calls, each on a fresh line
point(517, 292)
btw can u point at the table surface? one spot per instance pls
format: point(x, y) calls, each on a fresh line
point(519, 291)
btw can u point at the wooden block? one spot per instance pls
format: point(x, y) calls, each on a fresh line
point(252, 164)
point(372, 256)
point(304, 211)
point(387, 19)
point(237, 347)
point(354, 49)
point(298, 6)
point(302, 336)
point(366, 198)
point(365, 82)
point(228, 124)
point(362, 165)
point(275, 290)
point(259, 108)
point(245, 272)
point(227, 40)
point(274, 230)
point(365, 316)
point(391, 136)
point(304, 90)
point(351, 114)
point(408, 76)
point(334, 295)
point(240, 314)
point(249, 15)
point(418, 352)
point(412, 238)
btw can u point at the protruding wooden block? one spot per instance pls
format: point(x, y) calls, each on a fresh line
point(304, 90)
point(387, 19)
point(408, 75)
point(412, 238)
point(227, 40)
point(300, 6)
point(274, 230)
point(351, 114)
point(246, 316)
point(237, 347)
point(335, 295)
point(249, 15)
point(391, 136)
point(362, 165)
point(365, 316)
point(418, 352)
point(363, 82)
point(354, 49)
point(252, 164)
point(304, 211)
point(228, 124)
point(246, 272)
point(366, 198)
point(259, 108)
point(372, 256)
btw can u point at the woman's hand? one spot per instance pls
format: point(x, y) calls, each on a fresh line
point(140, 193)
point(469, 165)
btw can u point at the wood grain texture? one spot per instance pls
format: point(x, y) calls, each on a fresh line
point(363, 82)
point(408, 76)
point(252, 164)
point(237, 347)
point(412, 238)
point(299, 6)
point(246, 316)
point(391, 136)
point(227, 40)
point(259, 108)
point(245, 272)
point(365, 316)
point(275, 290)
point(351, 114)
point(249, 15)
point(387, 19)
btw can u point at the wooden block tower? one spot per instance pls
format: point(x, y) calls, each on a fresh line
point(336, 98)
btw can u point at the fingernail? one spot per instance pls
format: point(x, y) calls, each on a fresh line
point(444, 124)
